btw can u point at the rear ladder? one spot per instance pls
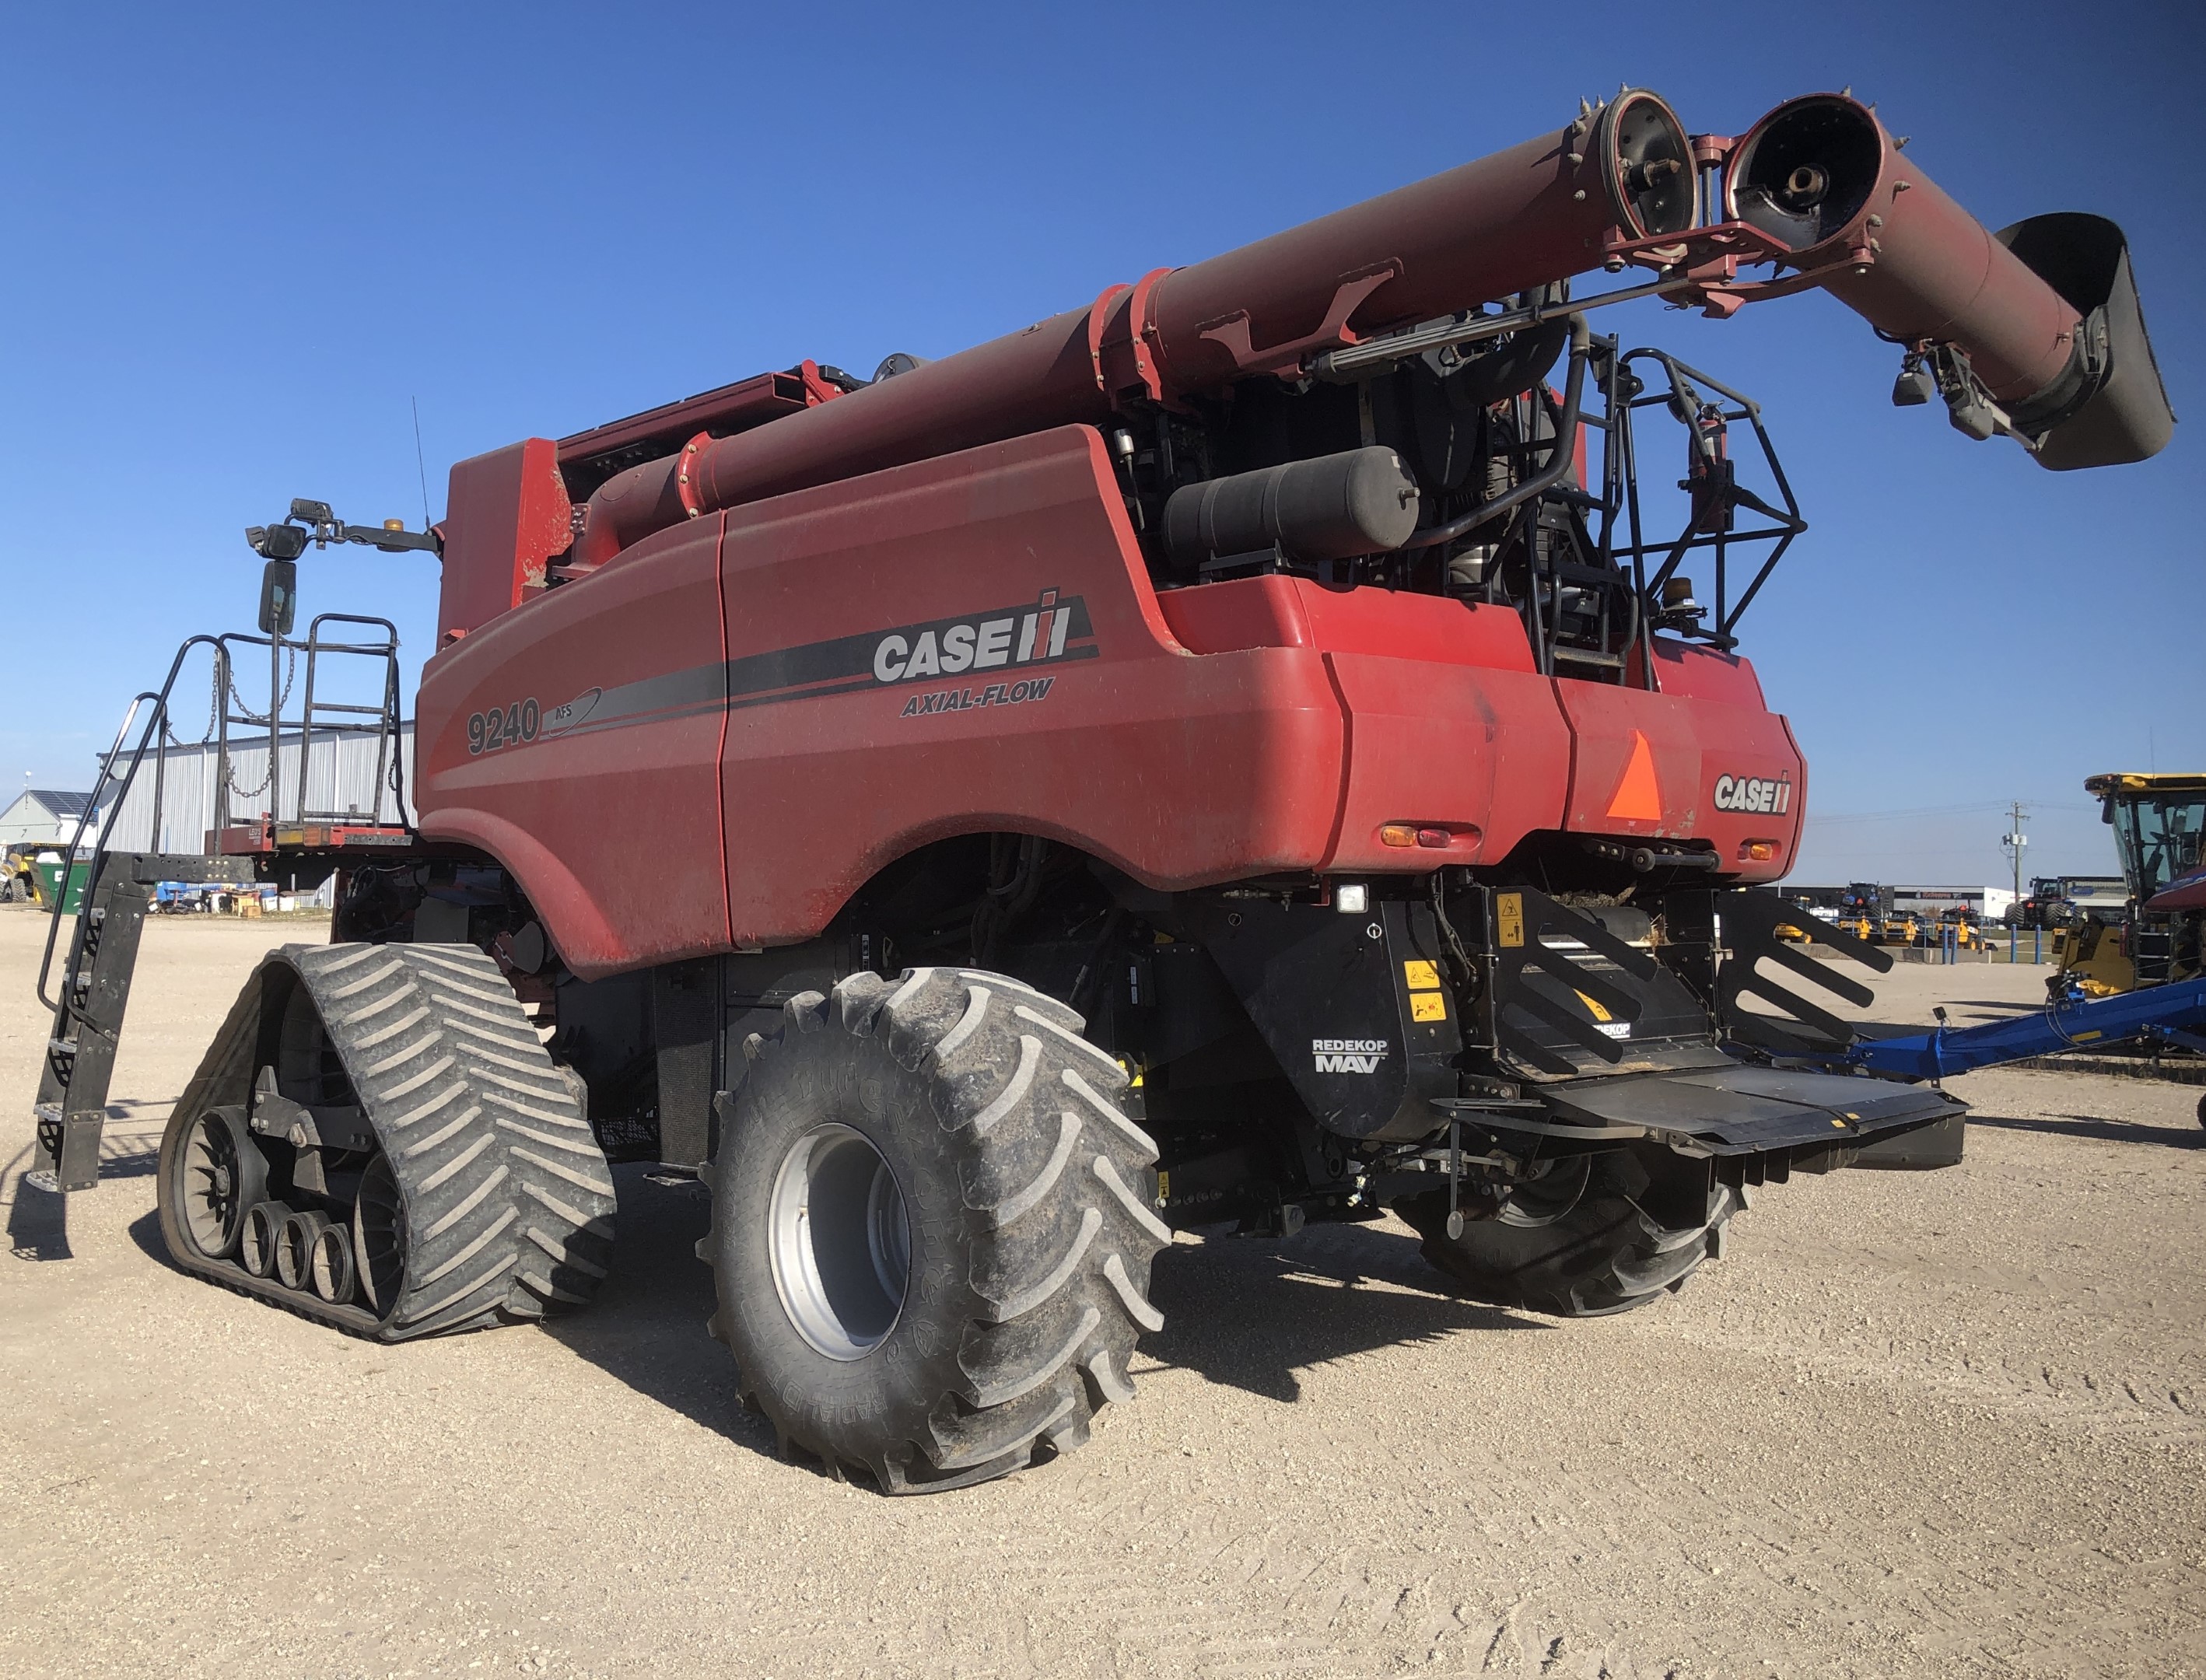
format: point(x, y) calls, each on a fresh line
point(89, 1004)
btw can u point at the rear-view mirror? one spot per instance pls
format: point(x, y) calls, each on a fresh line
point(279, 597)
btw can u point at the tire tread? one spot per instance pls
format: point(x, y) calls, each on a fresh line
point(1057, 1244)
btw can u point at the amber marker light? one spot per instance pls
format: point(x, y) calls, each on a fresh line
point(1430, 836)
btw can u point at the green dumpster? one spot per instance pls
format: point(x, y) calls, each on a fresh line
point(50, 875)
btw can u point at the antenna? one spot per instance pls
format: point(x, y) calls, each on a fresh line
point(420, 465)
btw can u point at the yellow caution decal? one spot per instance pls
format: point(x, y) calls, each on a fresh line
point(1599, 1013)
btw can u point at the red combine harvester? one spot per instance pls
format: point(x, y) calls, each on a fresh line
point(1243, 751)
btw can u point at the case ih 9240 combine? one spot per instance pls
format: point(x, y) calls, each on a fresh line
point(1233, 751)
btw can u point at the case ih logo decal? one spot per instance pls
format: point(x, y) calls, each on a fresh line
point(1754, 793)
point(1348, 1056)
point(1053, 629)
point(1015, 638)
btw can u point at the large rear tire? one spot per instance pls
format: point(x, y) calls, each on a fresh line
point(932, 1229)
point(1621, 1232)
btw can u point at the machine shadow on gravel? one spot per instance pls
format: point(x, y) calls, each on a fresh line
point(1251, 1313)
point(38, 1225)
point(1248, 1314)
point(647, 1327)
point(2095, 1130)
point(38, 1220)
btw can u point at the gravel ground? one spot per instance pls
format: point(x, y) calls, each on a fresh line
point(1941, 1424)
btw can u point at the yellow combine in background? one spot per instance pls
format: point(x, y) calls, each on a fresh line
point(2157, 821)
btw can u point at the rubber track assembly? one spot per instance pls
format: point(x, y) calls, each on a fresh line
point(497, 1198)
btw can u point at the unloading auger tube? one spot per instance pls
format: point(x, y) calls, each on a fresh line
point(1512, 223)
point(2036, 332)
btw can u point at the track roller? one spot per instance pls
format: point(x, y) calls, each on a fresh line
point(263, 1233)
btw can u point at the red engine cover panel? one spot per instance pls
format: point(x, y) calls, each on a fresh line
point(507, 512)
point(601, 787)
point(1705, 759)
point(717, 739)
point(990, 655)
point(1449, 726)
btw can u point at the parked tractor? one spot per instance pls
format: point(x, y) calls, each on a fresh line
point(19, 876)
point(2153, 934)
point(1238, 754)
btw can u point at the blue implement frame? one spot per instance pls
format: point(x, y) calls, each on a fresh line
point(2157, 1012)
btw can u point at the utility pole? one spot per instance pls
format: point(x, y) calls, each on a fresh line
point(2014, 840)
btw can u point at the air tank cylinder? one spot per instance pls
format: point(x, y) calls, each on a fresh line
point(1359, 501)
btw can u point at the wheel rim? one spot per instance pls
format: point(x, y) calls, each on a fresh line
point(839, 1242)
point(213, 1187)
point(379, 1236)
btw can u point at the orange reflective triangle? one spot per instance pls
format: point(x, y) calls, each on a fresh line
point(1638, 798)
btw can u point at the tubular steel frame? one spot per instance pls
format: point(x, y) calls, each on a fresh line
point(1597, 523)
point(153, 734)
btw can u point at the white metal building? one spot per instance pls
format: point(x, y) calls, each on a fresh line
point(340, 784)
point(45, 817)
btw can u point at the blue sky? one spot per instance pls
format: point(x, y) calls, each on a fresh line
point(242, 241)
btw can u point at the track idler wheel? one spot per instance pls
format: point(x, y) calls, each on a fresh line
point(295, 1246)
point(222, 1174)
point(262, 1237)
point(329, 1263)
point(378, 1235)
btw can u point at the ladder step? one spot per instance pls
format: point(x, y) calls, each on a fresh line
point(60, 1047)
point(44, 1113)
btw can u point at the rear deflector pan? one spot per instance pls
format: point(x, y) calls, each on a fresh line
point(1742, 1108)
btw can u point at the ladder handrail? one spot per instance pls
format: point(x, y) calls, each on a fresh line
point(155, 729)
point(154, 733)
point(386, 754)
